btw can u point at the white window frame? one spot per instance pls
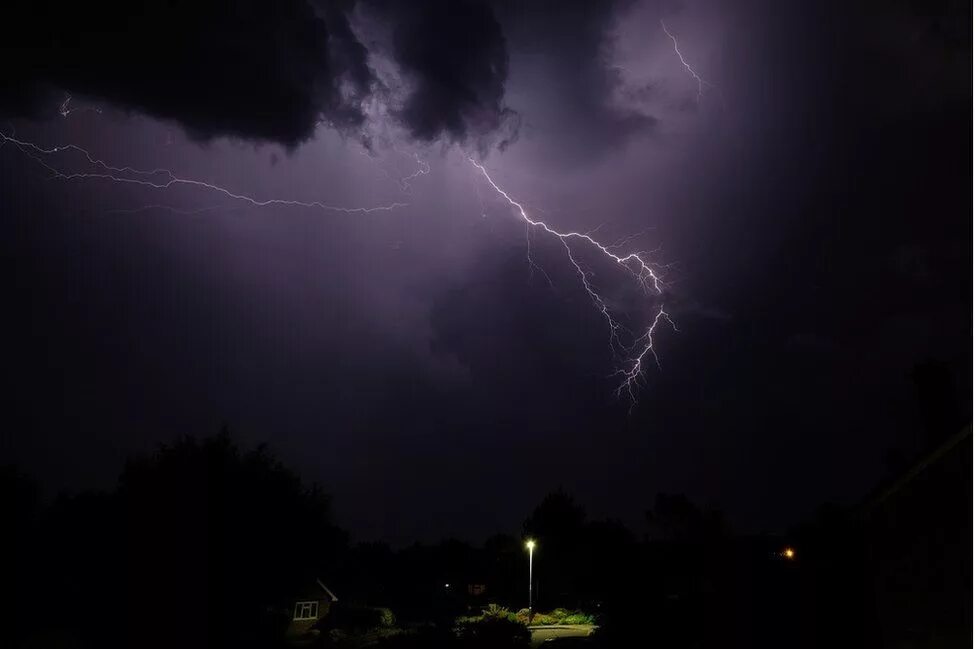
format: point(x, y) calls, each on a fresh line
point(311, 606)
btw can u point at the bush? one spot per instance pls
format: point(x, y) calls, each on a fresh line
point(578, 618)
point(386, 617)
point(557, 616)
point(494, 610)
point(493, 633)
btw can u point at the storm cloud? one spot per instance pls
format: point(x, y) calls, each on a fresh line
point(273, 71)
point(258, 69)
point(565, 47)
point(454, 55)
point(812, 212)
point(255, 69)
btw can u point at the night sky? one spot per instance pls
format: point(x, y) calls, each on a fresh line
point(433, 366)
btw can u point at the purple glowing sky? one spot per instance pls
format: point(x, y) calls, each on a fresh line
point(440, 351)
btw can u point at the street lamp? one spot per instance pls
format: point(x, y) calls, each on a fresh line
point(530, 545)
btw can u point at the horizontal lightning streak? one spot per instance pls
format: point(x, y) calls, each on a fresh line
point(633, 263)
point(167, 178)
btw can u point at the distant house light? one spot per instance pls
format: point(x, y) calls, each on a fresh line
point(306, 611)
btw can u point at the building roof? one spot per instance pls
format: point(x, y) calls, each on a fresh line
point(327, 591)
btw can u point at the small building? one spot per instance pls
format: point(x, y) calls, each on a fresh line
point(310, 606)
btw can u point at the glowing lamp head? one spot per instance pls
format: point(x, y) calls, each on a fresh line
point(788, 553)
point(530, 545)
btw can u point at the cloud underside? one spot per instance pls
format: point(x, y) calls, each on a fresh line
point(273, 70)
point(269, 70)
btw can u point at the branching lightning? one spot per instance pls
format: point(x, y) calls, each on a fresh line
point(633, 373)
point(423, 168)
point(702, 84)
point(632, 355)
point(162, 178)
point(633, 263)
point(403, 182)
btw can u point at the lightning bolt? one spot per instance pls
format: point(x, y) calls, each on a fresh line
point(634, 355)
point(162, 178)
point(403, 182)
point(64, 110)
point(423, 168)
point(633, 263)
point(633, 374)
point(702, 84)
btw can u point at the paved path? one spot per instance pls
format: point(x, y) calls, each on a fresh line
point(542, 634)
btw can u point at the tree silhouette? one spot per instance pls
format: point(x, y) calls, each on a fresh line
point(556, 524)
point(556, 519)
point(200, 545)
point(218, 542)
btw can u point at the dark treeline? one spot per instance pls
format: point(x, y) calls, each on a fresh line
point(194, 547)
point(203, 544)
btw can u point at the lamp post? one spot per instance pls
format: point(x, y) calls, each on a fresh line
point(530, 544)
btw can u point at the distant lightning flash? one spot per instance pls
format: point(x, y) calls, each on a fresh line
point(633, 263)
point(702, 84)
point(64, 109)
point(163, 178)
point(423, 169)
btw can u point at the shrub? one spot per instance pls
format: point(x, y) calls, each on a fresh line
point(557, 616)
point(493, 633)
point(494, 610)
point(578, 618)
point(560, 614)
point(386, 617)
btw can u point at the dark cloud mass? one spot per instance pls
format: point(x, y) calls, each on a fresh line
point(564, 46)
point(455, 54)
point(273, 70)
point(252, 68)
point(258, 69)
